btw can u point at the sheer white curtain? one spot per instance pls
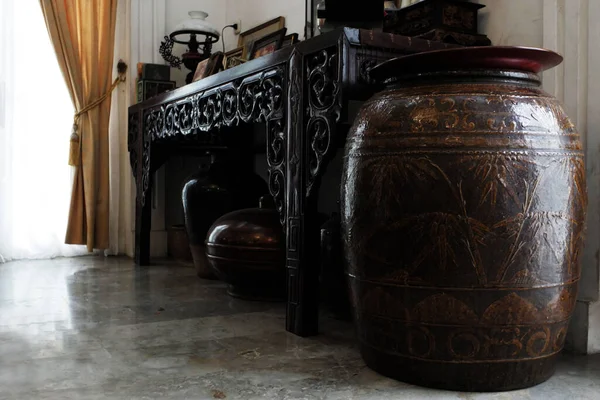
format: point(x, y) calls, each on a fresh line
point(35, 123)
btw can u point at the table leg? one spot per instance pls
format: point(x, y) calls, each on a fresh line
point(143, 219)
point(143, 202)
point(313, 110)
point(303, 271)
point(302, 317)
point(300, 212)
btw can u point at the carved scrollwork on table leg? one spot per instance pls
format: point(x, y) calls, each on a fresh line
point(320, 142)
point(276, 142)
point(295, 122)
point(147, 135)
point(364, 69)
point(133, 132)
point(261, 100)
point(323, 71)
point(272, 111)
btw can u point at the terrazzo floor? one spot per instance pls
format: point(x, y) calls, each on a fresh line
point(100, 328)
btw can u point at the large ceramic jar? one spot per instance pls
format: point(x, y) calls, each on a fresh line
point(464, 199)
point(208, 194)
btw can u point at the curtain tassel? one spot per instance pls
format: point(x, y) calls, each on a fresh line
point(75, 147)
point(75, 141)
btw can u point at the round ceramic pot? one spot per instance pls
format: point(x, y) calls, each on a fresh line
point(464, 201)
point(207, 195)
point(246, 249)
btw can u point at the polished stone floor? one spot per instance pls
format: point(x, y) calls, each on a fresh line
point(96, 328)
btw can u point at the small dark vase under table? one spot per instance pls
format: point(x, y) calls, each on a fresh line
point(464, 201)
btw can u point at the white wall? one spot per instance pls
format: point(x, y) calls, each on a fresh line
point(512, 23)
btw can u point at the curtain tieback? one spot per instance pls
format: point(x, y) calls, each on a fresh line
point(75, 151)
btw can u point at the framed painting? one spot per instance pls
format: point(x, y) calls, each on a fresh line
point(209, 67)
point(248, 37)
point(268, 44)
point(234, 58)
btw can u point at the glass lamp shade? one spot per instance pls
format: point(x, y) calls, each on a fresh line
point(195, 24)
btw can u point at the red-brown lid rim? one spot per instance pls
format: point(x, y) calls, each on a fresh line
point(525, 59)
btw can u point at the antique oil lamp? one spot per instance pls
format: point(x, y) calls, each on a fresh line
point(194, 32)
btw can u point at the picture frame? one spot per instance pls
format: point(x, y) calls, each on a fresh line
point(209, 67)
point(234, 58)
point(267, 45)
point(248, 37)
point(289, 40)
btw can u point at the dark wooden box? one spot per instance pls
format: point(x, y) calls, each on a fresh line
point(154, 72)
point(449, 21)
point(363, 11)
point(149, 88)
point(422, 17)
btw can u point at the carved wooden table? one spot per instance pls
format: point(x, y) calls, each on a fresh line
point(302, 93)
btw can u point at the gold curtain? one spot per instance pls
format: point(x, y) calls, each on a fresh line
point(83, 34)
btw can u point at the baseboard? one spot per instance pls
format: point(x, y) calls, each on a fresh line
point(158, 244)
point(577, 335)
point(593, 340)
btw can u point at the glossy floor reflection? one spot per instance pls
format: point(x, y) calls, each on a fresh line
point(95, 328)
